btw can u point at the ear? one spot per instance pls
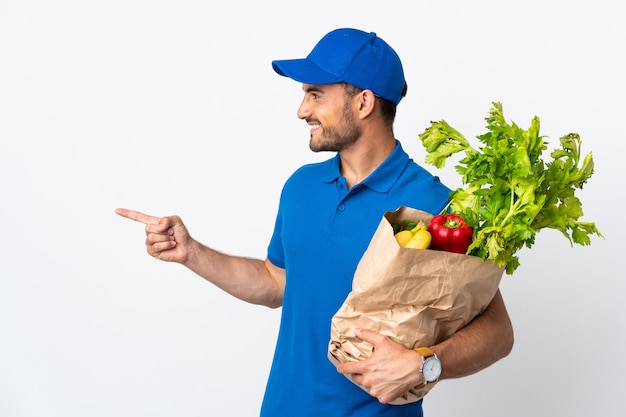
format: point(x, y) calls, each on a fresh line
point(366, 103)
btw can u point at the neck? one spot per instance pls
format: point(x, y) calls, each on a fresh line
point(360, 160)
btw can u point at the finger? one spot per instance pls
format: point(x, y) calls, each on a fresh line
point(158, 237)
point(371, 337)
point(347, 368)
point(137, 216)
point(357, 378)
point(156, 249)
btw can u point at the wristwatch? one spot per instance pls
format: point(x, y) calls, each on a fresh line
point(431, 365)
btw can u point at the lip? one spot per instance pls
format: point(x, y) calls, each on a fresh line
point(314, 127)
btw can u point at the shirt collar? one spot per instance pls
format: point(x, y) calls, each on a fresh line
point(383, 177)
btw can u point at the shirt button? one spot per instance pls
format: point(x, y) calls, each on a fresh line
point(341, 207)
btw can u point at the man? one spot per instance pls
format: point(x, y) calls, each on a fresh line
point(352, 82)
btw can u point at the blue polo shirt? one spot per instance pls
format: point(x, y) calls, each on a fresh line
point(322, 229)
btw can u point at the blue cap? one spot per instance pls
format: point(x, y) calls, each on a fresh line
point(351, 56)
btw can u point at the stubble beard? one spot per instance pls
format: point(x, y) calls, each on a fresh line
point(338, 137)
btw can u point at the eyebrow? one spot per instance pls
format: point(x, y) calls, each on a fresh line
point(313, 88)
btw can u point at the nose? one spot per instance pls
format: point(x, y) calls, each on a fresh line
point(304, 110)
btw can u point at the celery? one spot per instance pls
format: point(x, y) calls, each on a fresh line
point(510, 192)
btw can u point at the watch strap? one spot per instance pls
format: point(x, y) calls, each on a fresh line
point(425, 352)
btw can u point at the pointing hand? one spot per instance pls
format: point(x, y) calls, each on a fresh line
point(167, 238)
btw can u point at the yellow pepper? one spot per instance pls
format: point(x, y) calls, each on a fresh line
point(418, 238)
point(403, 237)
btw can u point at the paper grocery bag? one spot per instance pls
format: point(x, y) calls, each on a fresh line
point(417, 297)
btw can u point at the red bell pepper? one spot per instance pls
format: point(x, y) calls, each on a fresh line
point(450, 233)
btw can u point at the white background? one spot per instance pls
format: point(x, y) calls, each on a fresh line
point(171, 107)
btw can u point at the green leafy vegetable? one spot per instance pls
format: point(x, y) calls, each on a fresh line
point(511, 192)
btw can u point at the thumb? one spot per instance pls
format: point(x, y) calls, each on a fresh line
point(165, 223)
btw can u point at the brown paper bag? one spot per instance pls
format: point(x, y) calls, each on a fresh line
point(416, 297)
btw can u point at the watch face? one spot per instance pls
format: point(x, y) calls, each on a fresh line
point(431, 369)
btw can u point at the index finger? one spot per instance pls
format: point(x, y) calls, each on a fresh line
point(369, 336)
point(137, 216)
point(350, 367)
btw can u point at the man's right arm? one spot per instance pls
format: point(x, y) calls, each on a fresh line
point(252, 280)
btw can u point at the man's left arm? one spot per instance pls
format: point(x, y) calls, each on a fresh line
point(485, 340)
point(392, 369)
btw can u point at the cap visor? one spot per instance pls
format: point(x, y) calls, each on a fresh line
point(304, 71)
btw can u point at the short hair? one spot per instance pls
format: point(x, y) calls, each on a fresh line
point(387, 107)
